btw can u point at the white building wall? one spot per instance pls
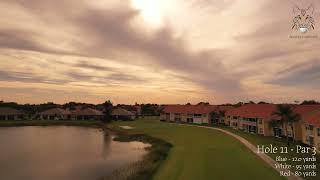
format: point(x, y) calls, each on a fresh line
point(308, 133)
point(197, 120)
point(171, 116)
point(205, 118)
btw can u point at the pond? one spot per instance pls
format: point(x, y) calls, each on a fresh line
point(64, 153)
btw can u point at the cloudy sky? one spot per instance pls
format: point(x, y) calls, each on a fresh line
point(159, 51)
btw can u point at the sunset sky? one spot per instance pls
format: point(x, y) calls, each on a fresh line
point(156, 51)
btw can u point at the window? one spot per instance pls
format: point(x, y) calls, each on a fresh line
point(177, 117)
point(277, 132)
point(10, 117)
point(260, 131)
point(309, 127)
point(318, 131)
point(311, 141)
point(197, 115)
point(260, 121)
point(204, 115)
point(245, 126)
point(167, 116)
point(235, 117)
point(190, 120)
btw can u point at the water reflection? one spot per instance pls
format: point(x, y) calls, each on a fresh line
point(63, 153)
point(107, 138)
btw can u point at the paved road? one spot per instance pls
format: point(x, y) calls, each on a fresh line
point(254, 149)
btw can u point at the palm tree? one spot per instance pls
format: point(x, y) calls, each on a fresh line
point(286, 117)
point(214, 116)
point(293, 118)
point(217, 115)
point(222, 114)
point(107, 111)
point(275, 123)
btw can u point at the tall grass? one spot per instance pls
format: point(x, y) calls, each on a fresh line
point(144, 169)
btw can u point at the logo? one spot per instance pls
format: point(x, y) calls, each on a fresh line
point(303, 20)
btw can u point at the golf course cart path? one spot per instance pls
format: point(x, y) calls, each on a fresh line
point(254, 149)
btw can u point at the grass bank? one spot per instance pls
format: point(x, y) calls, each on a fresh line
point(147, 167)
point(199, 153)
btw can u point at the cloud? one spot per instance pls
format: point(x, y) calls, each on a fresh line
point(214, 5)
point(110, 34)
point(19, 39)
point(116, 37)
point(107, 79)
point(87, 65)
point(41, 95)
point(120, 77)
point(305, 75)
point(243, 45)
point(28, 78)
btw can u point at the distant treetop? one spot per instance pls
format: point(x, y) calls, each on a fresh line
point(262, 102)
point(309, 102)
point(203, 103)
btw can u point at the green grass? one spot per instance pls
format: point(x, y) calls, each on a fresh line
point(278, 142)
point(199, 153)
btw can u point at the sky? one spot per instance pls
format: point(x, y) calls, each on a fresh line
point(157, 51)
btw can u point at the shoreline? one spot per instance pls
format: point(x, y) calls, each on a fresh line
point(148, 166)
point(97, 124)
point(141, 170)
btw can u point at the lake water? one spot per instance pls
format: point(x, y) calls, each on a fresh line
point(64, 153)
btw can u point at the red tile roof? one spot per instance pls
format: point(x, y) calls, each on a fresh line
point(192, 109)
point(313, 118)
point(224, 108)
point(266, 110)
point(309, 113)
point(304, 110)
point(253, 111)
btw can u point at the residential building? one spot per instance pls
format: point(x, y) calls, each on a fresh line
point(199, 114)
point(219, 114)
point(253, 118)
point(86, 114)
point(7, 113)
point(310, 129)
point(55, 114)
point(307, 129)
point(256, 118)
point(122, 114)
